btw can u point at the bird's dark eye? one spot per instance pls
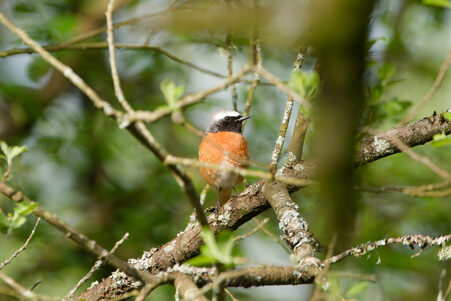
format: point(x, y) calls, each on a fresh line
point(228, 118)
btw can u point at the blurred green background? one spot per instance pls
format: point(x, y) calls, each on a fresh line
point(100, 180)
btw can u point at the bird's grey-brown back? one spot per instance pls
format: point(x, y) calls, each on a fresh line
point(225, 121)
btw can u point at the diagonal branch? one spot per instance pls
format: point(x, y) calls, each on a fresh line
point(294, 228)
point(90, 245)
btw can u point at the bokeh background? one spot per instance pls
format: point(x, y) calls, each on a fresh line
point(100, 180)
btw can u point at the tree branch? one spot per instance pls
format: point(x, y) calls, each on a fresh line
point(422, 241)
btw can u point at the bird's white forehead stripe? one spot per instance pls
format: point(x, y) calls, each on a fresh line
point(222, 114)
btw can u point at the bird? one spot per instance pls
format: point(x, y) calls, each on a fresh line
point(223, 144)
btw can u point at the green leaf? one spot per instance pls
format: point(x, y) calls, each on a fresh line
point(16, 151)
point(440, 3)
point(219, 250)
point(447, 115)
point(17, 221)
point(25, 208)
point(171, 92)
point(440, 140)
point(305, 84)
point(11, 152)
point(356, 289)
point(386, 71)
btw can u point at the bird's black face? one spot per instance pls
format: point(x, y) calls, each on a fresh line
point(226, 121)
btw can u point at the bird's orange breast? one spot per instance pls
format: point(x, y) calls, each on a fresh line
point(223, 148)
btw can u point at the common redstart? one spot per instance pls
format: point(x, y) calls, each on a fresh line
point(223, 144)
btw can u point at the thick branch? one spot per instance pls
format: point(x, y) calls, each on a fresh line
point(417, 133)
point(293, 226)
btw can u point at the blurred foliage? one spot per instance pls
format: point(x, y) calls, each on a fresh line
point(100, 180)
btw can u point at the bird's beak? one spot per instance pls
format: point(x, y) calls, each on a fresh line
point(243, 118)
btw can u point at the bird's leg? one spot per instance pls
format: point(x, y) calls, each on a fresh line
point(218, 204)
point(234, 189)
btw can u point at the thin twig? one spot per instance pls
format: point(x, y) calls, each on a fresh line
point(420, 191)
point(24, 293)
point(230, 295)
point(272, 236)
point(104, 45)
point(112, 58)
point(437, 83)
point(440, 296)
point(229, 50)
point(91, 245)
point(94, 268)
point(255, 57)
point(253, 231)
point(187, 100)
point(286, 119)
point(280, 85)
point(421, 241)
point(240, 171)
point(23, 247)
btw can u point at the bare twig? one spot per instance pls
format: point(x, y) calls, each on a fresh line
point(431, 190)
point(437, 83)
point(112, 57)
point(23, 247)
point(280, 85)
point(422, 241)
point(94, 268)
point(24, 293)
point(296, 147)
point(230, 295)
point(90, 245)
point(440, 296)
point(229, 49)
point(255, 57)
point(187, 100)
point(240, 171)
point(272, 236)
point(285, 120)
point(253, 231)
point(104, 45)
